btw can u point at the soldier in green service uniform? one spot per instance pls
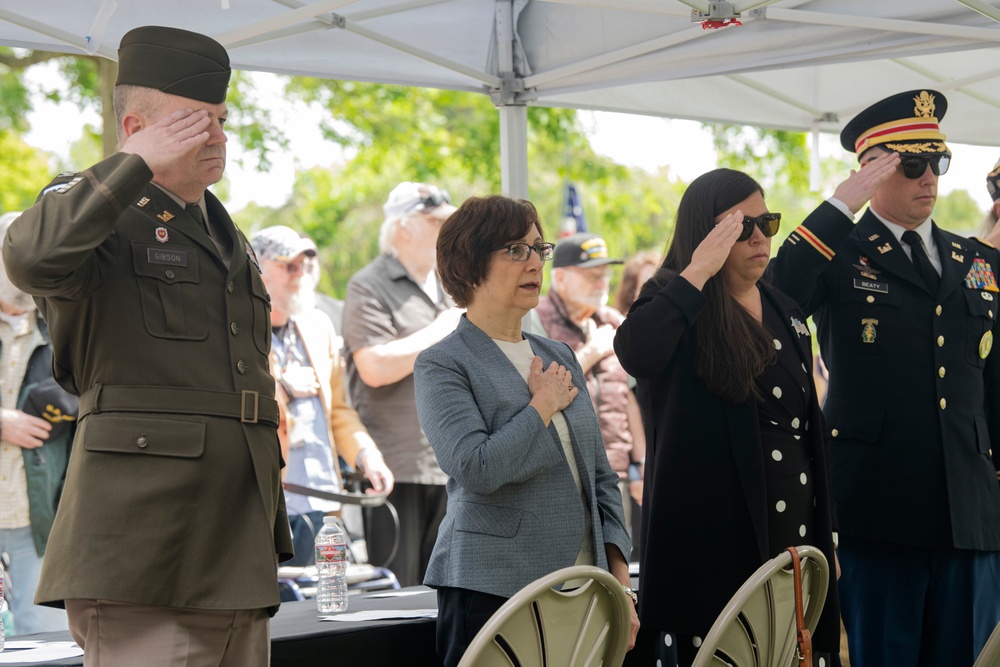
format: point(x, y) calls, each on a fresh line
point(172, 518)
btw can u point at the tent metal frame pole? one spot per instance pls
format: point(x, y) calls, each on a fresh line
point(60, 35)
point(610, 58)
point(962, 32)
point(979, 6)
point(513, 117)
point(427, 56)
point(285, 25)
point(261, 28)
point(957, 85)
point(514, 150)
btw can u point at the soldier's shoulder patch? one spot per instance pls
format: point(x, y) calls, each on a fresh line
point(985, 243)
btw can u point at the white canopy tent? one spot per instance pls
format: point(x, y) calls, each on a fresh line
point(805, 65)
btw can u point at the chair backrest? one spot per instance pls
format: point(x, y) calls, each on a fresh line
point(757, 627)
point(541, 625)
point(990, 655)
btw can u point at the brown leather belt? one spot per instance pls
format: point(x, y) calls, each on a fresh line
point(247, 406)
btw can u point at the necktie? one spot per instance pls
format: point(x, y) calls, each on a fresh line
point(219, 240)
point(921, 261)
point(195, 212)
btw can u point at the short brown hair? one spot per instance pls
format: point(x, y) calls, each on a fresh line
point(471, 235)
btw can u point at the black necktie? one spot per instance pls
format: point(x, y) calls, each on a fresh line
point(921, 261)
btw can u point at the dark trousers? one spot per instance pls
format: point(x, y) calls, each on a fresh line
point(461, 614)
point(915, 607)
point(421, 508)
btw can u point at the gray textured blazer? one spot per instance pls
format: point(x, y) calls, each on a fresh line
point(514, 512)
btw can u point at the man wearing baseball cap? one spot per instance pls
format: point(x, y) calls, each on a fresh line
point(395, 308)
point(317, 424)
point(906, 313)
point(575, 311)
point(172, 518)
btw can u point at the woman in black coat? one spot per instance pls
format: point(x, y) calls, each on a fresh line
point(736, 466)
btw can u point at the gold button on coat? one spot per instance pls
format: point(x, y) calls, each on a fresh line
point(941, 372)
point(835, 433)
point(943, 403)
point(940, 341)
point(937, 311)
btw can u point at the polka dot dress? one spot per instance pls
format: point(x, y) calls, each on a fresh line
point(784, 430)
point(783, 410)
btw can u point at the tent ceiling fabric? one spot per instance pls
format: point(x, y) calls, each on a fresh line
point(793, 64)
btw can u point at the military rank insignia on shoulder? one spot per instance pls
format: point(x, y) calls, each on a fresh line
point(985, 243)
point(60, 188)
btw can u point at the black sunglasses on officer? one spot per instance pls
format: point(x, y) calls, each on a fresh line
point(767, 223)
point(914, 166)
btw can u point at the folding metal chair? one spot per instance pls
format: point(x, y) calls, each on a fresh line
point(543, 625)
point(990, 655)
point(757, 627)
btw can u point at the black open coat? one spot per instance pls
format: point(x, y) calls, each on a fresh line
point(704, 509)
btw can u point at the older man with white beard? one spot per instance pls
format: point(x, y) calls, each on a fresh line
point(32, 457)
point(575, 311)
point(317, 425)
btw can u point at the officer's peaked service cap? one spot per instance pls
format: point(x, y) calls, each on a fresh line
point(906, 123)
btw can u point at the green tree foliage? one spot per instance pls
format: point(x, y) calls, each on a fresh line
point(959, 212)
point(24, 171)
point(452, 139)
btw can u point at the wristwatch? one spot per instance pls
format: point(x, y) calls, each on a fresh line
point(632, 594)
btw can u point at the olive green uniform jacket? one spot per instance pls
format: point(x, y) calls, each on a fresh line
point(172, 495)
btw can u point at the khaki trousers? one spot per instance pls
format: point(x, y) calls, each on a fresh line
point(119, 634)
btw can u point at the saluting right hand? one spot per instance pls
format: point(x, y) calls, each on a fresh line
point(167, 140)
point(551, 390)
point(862, 184)
point(713, 251)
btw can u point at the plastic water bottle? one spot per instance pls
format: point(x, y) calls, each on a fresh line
point(331, 561)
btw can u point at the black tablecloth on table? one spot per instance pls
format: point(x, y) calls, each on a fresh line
point(300, 639)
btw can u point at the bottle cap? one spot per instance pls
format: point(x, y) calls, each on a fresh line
point(330, 521)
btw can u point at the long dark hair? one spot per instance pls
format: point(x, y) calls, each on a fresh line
point(732, 349)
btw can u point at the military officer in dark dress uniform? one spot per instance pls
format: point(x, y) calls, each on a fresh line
point(906, 315)
point(165, 544)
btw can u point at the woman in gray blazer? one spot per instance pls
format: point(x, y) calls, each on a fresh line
point(530, 489)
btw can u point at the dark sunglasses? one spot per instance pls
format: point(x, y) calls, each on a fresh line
point(768, 224)
point(914, 166)
point(433, 200)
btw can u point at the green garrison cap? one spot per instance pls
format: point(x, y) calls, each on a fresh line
point(174, 61)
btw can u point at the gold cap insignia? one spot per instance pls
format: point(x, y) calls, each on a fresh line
point(924, 105)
